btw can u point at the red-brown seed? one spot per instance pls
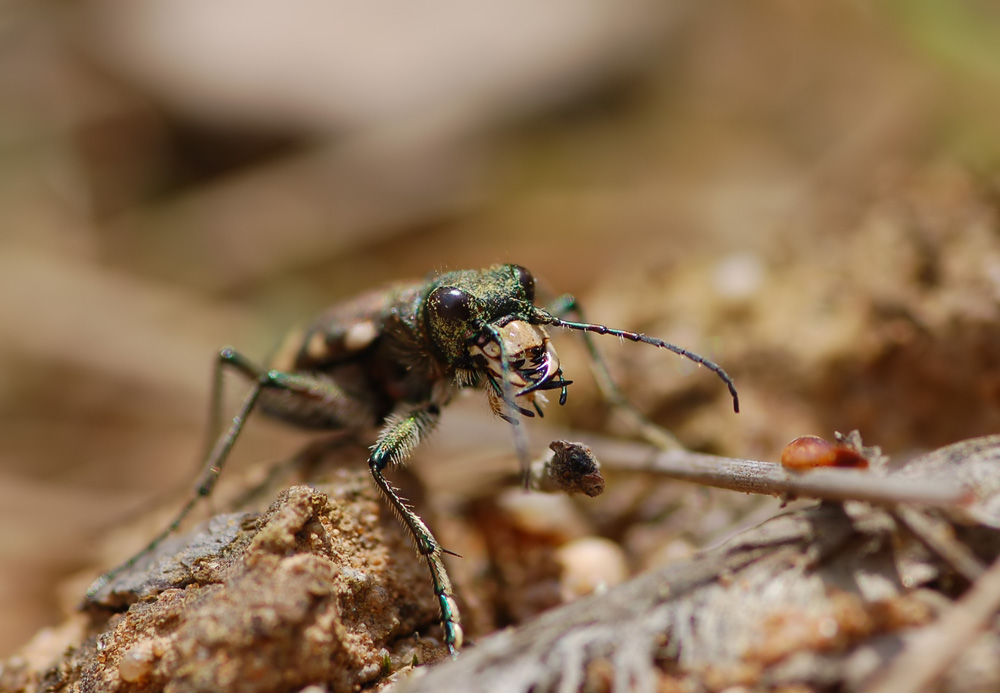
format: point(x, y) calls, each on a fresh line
point(809, 452)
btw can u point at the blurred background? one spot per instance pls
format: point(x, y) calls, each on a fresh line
point(806, 193)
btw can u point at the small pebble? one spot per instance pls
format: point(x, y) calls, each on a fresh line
point(590, 564)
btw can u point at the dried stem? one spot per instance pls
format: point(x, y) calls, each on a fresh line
point(770, 478)
point(938, 536)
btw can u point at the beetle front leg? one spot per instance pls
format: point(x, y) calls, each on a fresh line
point(651, 432)
point(400, 435)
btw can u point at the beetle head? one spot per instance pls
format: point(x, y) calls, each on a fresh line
point(482, 321)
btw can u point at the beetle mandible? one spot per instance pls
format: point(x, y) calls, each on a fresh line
point(394, 357)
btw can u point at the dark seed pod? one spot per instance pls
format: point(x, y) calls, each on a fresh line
point(575, 469)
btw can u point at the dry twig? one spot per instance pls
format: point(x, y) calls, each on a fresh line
point(770, 478)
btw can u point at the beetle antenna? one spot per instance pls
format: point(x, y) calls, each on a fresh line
point(544, 318)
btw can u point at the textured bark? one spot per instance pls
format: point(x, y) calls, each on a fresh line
point(822, 598)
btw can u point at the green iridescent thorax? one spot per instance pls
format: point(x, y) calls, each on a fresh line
point(459, 304)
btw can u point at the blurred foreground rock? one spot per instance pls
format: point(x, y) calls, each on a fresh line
point(323, 590)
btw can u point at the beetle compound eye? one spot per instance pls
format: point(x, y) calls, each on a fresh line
point(449, 303)
point(527, 282)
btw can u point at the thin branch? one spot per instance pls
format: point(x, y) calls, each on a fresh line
point(938, 536)
point(770, 478)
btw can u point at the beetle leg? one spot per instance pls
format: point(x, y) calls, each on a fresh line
point(651, 432)
point(400, 435)
point(215, 458)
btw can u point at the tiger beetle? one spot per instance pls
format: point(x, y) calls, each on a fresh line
point(393, 357)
